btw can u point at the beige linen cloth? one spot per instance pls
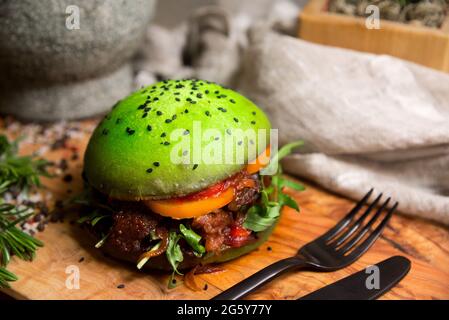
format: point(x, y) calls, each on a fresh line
point(367, 120)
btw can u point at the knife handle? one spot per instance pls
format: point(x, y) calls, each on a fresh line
point(260, 278)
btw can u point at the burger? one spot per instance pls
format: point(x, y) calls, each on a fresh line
point(172, 183)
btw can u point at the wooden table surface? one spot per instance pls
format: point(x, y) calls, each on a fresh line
point(424, 242)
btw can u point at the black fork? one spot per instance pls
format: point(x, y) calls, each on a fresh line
point(336, 249)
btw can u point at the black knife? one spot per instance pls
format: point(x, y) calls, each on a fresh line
point(363, 285)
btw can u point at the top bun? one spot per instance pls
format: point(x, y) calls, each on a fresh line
point(131, 153)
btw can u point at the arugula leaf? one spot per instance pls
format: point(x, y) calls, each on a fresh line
point(290, 184)
point(174, 253)
point(172, 283)
point(261, 216)
point(282, 153)
point(93, 218)
point(100, 243)
point(193, 239)
point(286, 200)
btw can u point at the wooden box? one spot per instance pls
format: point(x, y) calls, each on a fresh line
point(422, 45)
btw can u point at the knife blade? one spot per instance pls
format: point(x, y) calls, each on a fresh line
point(362, 284)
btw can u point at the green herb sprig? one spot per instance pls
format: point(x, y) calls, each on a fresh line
point(21, 173)
point(263, 215)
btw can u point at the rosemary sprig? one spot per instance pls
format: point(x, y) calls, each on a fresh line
point(21, 174)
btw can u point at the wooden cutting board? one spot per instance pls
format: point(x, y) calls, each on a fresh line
point(425, 243)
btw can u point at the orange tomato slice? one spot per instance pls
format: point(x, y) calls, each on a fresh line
point(207, 200)
point(191, 208)
point(261, 161)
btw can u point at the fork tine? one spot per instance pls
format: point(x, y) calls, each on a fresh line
point(348, 246)
point(365, 245)
point(347, 219)
point(356, 224)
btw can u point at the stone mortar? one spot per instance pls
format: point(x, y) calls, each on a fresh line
point(49, 72)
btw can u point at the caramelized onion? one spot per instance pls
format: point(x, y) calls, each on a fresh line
point(163, 234)
point(208, 268)
point(190, 280)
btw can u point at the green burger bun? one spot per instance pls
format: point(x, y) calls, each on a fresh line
point(129, 156)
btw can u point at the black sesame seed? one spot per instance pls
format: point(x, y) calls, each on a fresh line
point(207, 113)
point(254, 113)
point(177, 99)
point(156, 99)
point(207, 91)
point(179, 86)
point(149, 170)
point(149, 128)
point(130, 131)
point(167, 120)
point(199, 95)
point(217, 92)
point(159, 113)
point(236, 120)
point(189, 99)
point(186, 110)
point(205, 287)
point(176, 93)
point(105, 132)
point(253, 122)
point(231, 100)
point(68, 178)
point(186, 132)
point(145, 115)
point(147, 109)
point(156, 164)
point(121, 286)
point(269, 248)
point(163, 135)
point(166, 143)
point(174, 117)
point(195, 166)
point(142, 106)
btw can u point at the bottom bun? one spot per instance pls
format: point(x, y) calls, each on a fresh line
point(161, 262)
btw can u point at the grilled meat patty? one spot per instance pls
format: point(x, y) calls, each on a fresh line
point(132, 225)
